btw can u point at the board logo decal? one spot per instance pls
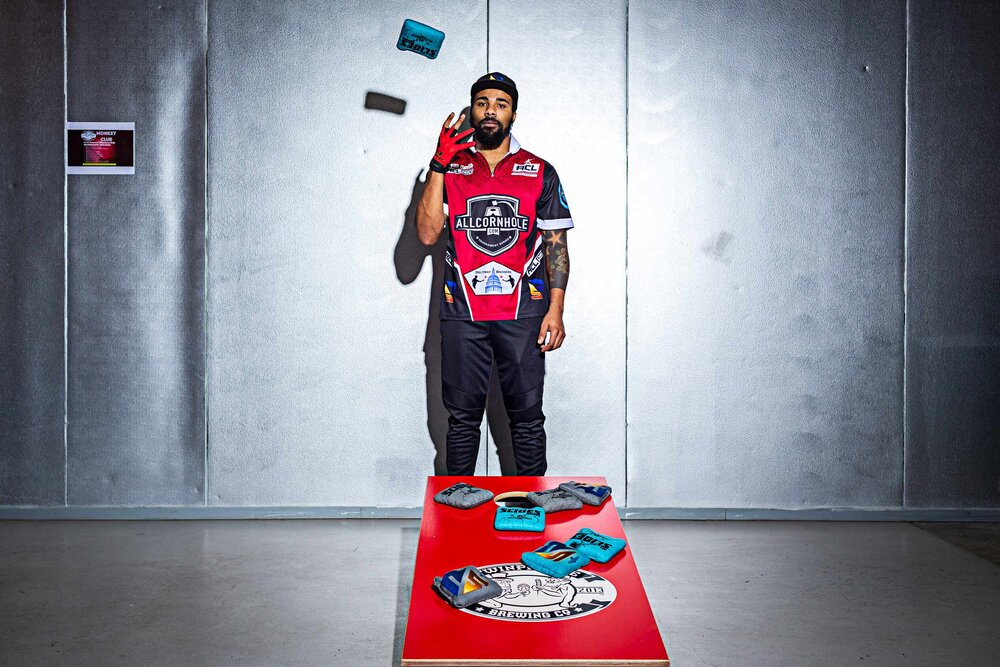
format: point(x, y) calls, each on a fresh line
point(532, 597)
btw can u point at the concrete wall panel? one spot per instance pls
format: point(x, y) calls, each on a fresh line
point(765, 253)
point(953, 256)
point(136, 407)
point(32, 370)
point(323, 334)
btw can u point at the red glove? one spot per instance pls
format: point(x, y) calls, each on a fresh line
point(449, 143)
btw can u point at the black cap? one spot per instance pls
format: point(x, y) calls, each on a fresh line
point(498, 81)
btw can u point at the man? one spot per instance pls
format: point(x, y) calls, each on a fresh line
point(506, 270)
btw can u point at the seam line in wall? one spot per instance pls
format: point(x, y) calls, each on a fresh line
point(906, 216)
point(485, 443)
point(65, 45)
point(626, 244)
point(204, 314)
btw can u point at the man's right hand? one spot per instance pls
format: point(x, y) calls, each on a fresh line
point(449, 143)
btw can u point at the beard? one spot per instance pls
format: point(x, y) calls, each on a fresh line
point(491, 138)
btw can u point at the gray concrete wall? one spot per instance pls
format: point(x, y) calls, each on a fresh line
point(32, 304)
point(765, 274)
point(318, 289)
point(785, 251)
point(136, 279)
point(953, 257)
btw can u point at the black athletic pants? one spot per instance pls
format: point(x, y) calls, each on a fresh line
point(467, 353)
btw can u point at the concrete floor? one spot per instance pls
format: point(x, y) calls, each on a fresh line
point(981, 539)
point(336, 593)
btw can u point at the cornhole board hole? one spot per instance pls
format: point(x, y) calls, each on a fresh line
point(598, 615)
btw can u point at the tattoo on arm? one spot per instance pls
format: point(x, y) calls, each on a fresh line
point(556, 257)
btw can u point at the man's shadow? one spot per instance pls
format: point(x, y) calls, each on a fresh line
point(409, 258)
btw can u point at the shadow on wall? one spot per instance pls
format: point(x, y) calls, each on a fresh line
point(409, 257)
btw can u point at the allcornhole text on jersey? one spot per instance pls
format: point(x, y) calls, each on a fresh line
point(492, 223)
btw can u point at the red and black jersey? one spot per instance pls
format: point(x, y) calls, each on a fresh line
point(495, 261)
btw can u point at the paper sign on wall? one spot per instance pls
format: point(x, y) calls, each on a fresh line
point(100, 148)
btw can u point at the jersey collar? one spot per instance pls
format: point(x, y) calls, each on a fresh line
point(515, 146)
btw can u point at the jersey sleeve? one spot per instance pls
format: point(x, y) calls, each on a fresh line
point(552, 211)
point(444, 195)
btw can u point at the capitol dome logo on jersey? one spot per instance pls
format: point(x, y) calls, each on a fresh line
point(492, 223)
point(493, 279)
point(530, 596)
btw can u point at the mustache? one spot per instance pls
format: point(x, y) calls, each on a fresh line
point(499, 124)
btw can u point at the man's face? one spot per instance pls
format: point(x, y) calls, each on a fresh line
point(492, 117)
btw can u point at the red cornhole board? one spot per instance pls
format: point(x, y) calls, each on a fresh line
point(597, 616)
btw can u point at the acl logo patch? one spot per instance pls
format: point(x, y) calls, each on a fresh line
point(526, 168)
point(492, 223)
point(492, 279)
